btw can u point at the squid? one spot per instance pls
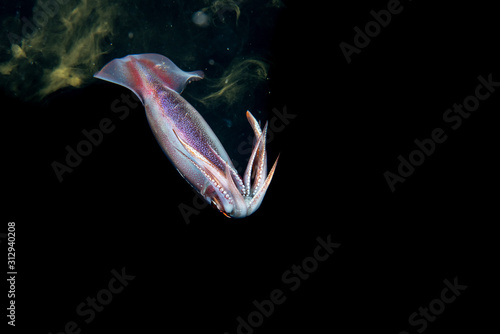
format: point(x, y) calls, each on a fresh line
point(187, 139)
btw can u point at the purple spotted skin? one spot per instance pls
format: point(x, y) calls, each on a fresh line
point(185, 137)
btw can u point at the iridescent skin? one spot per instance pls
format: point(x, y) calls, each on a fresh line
point(185, 137)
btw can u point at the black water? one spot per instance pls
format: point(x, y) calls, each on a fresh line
point(339, 128)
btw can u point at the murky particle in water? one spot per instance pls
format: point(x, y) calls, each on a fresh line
point(200, 19)
point(131, 35)
point(211, 62)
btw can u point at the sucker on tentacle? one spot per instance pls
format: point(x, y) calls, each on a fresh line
point(186, 138)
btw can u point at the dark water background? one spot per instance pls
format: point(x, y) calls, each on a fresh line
point(347, 124)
